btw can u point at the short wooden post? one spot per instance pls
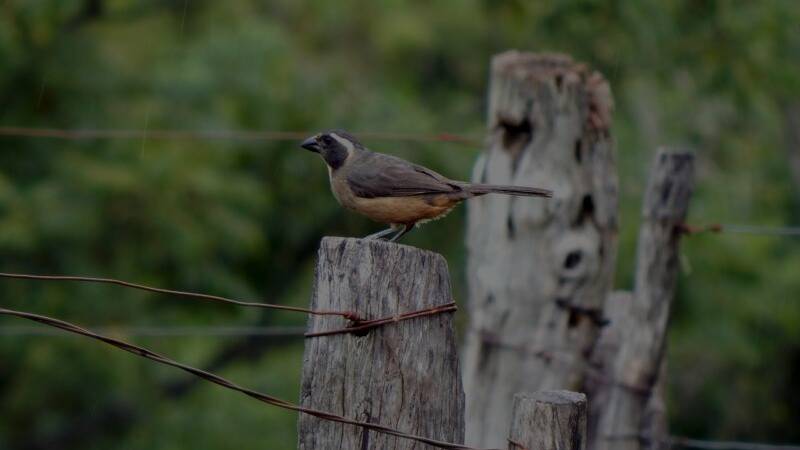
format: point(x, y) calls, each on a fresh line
point(548, 420)
point(539, 269)
point(404, 375)
point(636, 336)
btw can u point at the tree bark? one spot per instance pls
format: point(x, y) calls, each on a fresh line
point(404, 375)
point(548, 420)
point(539, 269)
point(639, 325)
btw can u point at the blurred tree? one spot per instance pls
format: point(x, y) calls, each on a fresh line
point(242, 219)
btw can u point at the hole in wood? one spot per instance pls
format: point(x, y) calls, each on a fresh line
point(665, 192)
point(573, 259)
point(572, 320)
point(587, 210)
point(578, 150)
point(516, 135)
point(484, 353)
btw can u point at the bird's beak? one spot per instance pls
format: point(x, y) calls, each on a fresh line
point(311, 144)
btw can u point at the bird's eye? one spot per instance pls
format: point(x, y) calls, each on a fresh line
point(327, 140)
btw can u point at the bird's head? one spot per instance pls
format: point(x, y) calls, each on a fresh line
point(335, 147)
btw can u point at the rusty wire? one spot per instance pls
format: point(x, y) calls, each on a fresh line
point(156, 331)
point(364, 325)
point(356, 325)
point(234, 135)
point(214, 298)
point(757, 230)
point(216, 379)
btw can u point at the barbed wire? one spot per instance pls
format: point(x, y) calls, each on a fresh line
point(789, 231)
point(356, 324)
point(365, 325)
point(216, 379)
point(761, 230)
point(162, 331)
point(64, 326)
point(275, 135)
point(214, 298)
point(487, 337)
point(234, 135)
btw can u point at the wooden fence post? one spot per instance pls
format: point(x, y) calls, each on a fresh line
point(539, 269)
point(626, 412)
point(548, 420)
point(404, 375)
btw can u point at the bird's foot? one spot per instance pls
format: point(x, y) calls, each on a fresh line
point(381, 234)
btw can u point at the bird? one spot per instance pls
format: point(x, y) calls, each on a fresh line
point(391, 190)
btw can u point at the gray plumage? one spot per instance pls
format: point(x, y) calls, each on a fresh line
point(388, 176)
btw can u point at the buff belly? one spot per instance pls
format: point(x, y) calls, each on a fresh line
point(400, 210)
point(394, 210)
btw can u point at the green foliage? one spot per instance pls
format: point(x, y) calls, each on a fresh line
point(242, 219)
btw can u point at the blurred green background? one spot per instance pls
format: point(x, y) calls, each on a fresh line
point(243, 218)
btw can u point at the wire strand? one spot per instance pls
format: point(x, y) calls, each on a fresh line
point(362, 326)
point(213, 298)
point(234, 135)
point(761, 230)
point(162, 331)
point(356, 324)
point(216, 379)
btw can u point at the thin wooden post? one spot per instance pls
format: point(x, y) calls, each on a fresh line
point(548, 420)
point(404, 375)
point(628, 413)
point(539, 269)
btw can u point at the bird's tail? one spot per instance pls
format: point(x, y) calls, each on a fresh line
point(481, 189)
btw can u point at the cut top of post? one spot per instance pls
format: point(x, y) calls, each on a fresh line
point(548, 420)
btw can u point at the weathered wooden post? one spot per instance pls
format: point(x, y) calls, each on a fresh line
point(404, 375)
point(548, 420)
point(625, 403)
point(539, 269)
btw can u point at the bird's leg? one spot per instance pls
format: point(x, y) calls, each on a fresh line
point(381, 233)
point(406, 228)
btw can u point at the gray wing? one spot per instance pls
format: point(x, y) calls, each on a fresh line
point(379, 175)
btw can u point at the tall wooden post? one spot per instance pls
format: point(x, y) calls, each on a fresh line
point(627, 410)
point(404, 375)
point(539, 269)
point(548, 420)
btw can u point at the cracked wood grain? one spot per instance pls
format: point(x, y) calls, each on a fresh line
point(404, 375)
point(539, 270)
point(548, 420)
point(631, 349)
